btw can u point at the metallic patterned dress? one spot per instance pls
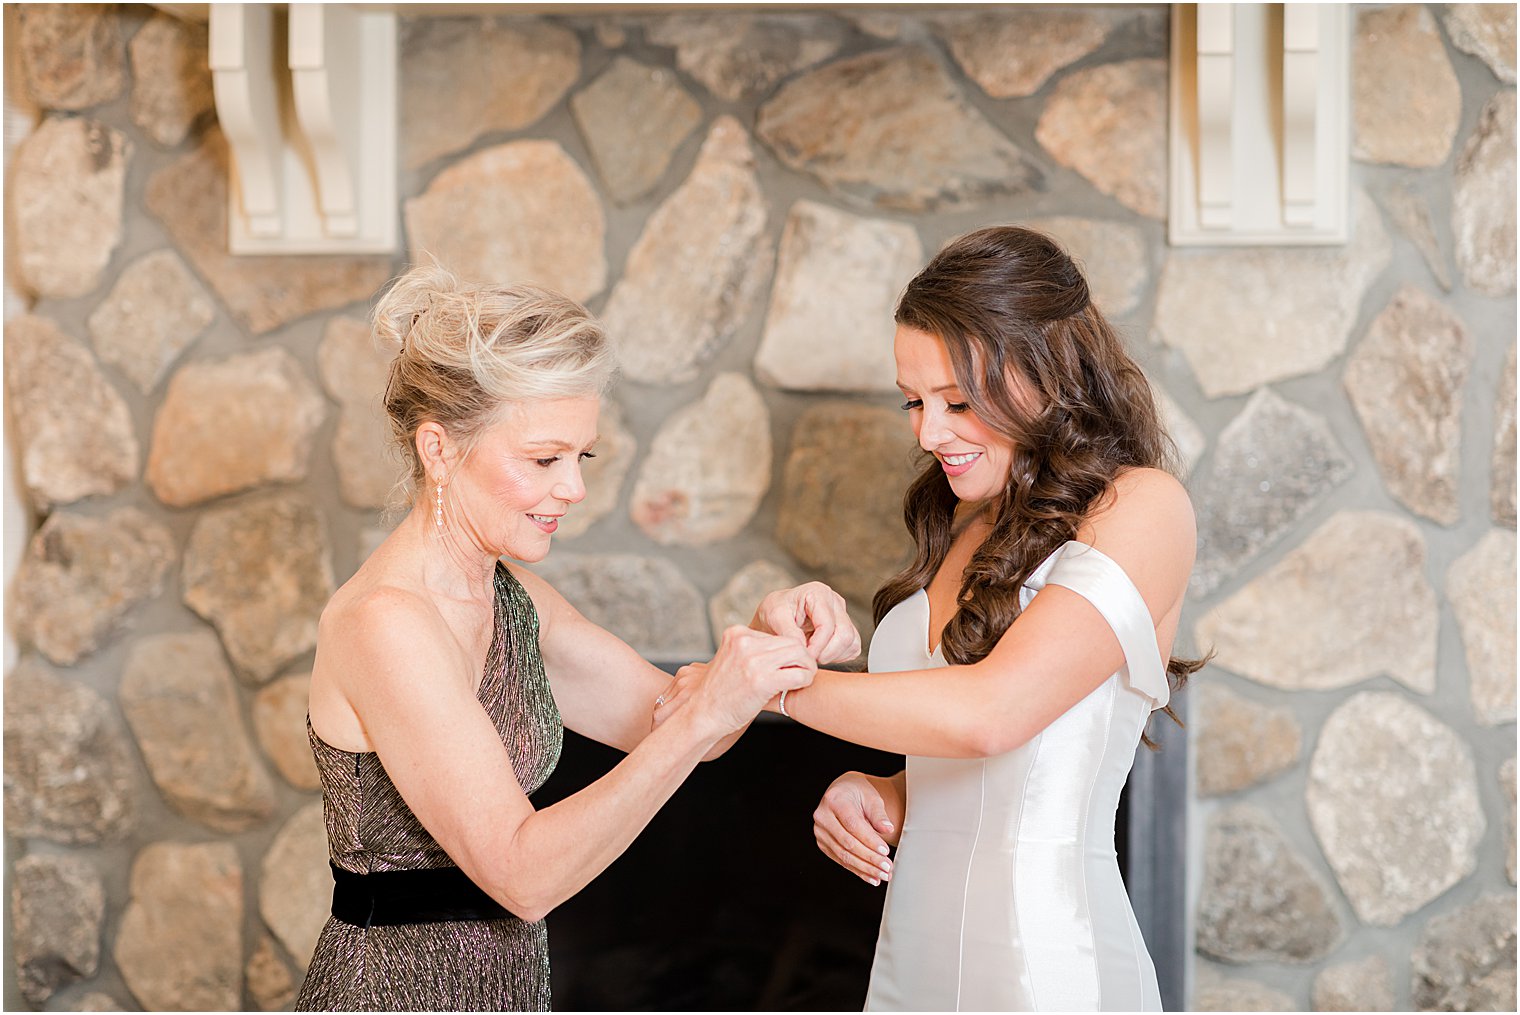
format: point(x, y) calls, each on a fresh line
point(460, 965)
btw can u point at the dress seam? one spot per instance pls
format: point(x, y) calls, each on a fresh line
point(1092, 788)
point(1034, 758)
point(981, 814)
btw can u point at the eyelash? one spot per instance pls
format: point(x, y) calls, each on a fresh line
point(918, 403)
point(546, 462)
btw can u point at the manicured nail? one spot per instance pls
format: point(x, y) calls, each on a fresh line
point(883, 850)
point(876, 882)
point(886, 866)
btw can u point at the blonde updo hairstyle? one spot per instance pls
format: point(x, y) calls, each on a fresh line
point(464, 352)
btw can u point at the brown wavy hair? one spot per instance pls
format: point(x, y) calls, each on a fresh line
point(1010, 303)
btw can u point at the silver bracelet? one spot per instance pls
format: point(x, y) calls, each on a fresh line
point(782, 704)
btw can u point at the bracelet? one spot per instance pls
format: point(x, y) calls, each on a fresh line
point(782, 704)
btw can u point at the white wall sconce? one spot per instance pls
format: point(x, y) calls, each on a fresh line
point(1259, 125)
point(306, 96)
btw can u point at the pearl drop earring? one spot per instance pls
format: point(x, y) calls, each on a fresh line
point(438, 509)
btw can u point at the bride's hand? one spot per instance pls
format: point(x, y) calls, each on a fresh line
point(815, 613)
point(853, 826)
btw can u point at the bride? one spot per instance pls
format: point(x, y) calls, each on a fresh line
point(1017, 659)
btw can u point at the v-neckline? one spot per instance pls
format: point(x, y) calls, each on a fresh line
point(929, 619)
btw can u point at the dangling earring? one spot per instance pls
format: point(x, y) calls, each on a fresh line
point(438, 509)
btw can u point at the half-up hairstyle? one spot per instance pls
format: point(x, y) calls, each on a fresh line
point(463, 352)
point(1010, 303)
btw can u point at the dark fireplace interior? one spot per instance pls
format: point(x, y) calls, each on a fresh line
point(724, 903)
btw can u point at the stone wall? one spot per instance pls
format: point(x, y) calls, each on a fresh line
point(740, 196)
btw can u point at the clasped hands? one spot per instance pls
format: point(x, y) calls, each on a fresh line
point(793, 632)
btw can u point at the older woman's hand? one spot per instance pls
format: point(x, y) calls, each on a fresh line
point(750, 668)
point(816, 614)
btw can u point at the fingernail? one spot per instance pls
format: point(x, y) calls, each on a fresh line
point(886, 866)
point(876, 881)
point(886, 877)
point(887, 825)
point(883, 850)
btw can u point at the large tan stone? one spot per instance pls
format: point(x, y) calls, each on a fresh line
point(891, 129)
point(268, 979)
point(279, 719)
point(842, 514)
point(604, 474)
point(1488, 32)
point(736, 55)
point(1240, 742)
point(1410, 212)
point(82, 576)
point(154, 312)
point(171, 77)
point(1354, 986)
point(1216, 992)
point(1224, 308)
point(232, 425)
point(1405, 99)
point(1405, 381)
point(1260, 901)
point(1483, 200)
point(707, 468)
point(696, 270)
point(190, 197)
point(1112, 257)
point(180, 701)
point(71, 54)
point(1465, 960)
point(1398, 825)
point(735, 603)
point(1012, 53)
point(633, 118)
point(69, 772)
point(58, 905)
point(517, 212)
point(180, 943)
point(462, 78)
point(295, 886)
point(838, 276)
point(1109, 124)
point(67, 183)
point(646, 601)
point(1501, 491)
point(354, 369)
point(1481, 589)
point(260, 570)
point(1349, 603)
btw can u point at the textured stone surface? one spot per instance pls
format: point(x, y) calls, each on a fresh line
point(279, 719)
point(96, 1001)
point(1466, 958)
point(295, 886)
point(180, 946)
point(1349, 603)
point(736, 55)
point(190, 197)
point(73, 433)
point(260, 571)
point(633, 118)
point(838, 276)
point(1481, 589)
point(1410, 212)
point(1366, 785)
point(1186, 434)
point(697, 268)
point(1225, 308)
point(1112, 257)
point(1501, 493)
point(354, 370)
point(82, 576)
point(707, 468)
point(1260, 902)
point(1488, 32)
point(604, 474)
point(1405, 381)
point(153, 313)
point(517, 70)
point(71, 54)
point(58, 905)
point(1241, 742)
point(171, 77)
point(1483, 201)
point(646, 601)
point(518, 212)
point(1271, 465)
point(1012, 53)
point(69, 772)
point(842, 514)
point(1215, 992)
point(890, 128)
point(268, 979)
point(1507, 783)
point(180, 701)
point(1405, 99)
point(66, 186)
point(1364, 985)
point(735, 603)
point(1109, 124)
point(232, 425)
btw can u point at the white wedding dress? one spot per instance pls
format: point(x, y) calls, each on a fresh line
point(1006, 894)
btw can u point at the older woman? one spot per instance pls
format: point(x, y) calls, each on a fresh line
point(442, 675)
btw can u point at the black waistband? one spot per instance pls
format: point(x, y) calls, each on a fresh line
point(410, 896)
